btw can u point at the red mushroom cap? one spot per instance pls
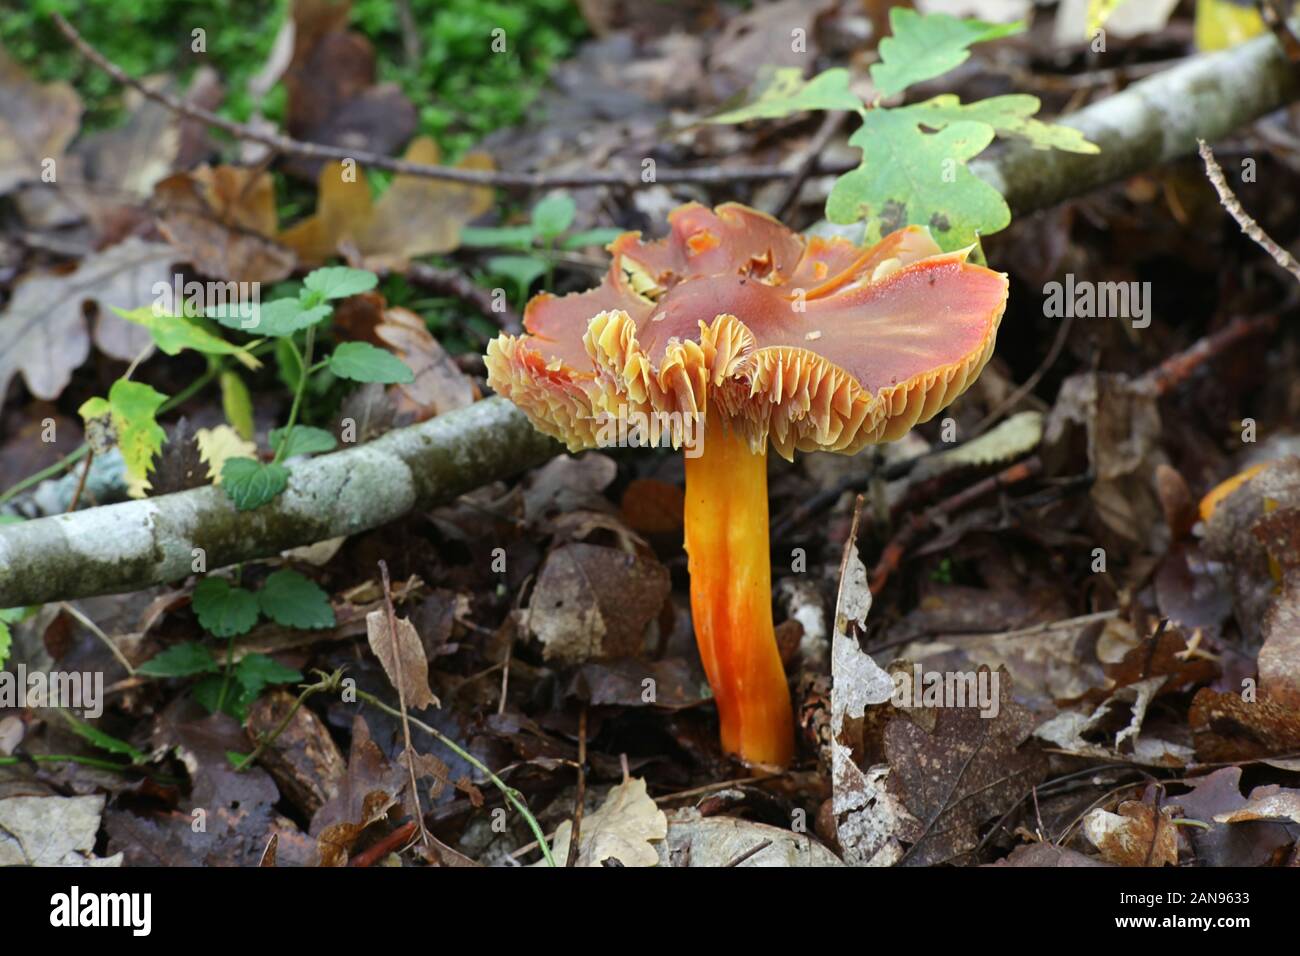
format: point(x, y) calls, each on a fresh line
point(815, 344)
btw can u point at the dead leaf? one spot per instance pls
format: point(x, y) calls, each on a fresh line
point(651, 506)
point(179, 465)
point(43, 330)
point(37, 122)
point(1269, 802)
point(51, 831)
point(416, 216)
point(1045, 854)
point(1227, 727)
point(367, 792)
point(1138, 835)
point(625, 828)
point(1237, 844)
point(868, 818)
point(220, 220)
point(592, 602)
point(716, 841)
point(414, 681)
point(968, 770)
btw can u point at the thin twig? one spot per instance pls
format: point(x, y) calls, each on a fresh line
point(475, 177)
point(1048, 627)
point(789, 194)
point(755, 849)
point(1228, 199)
point(81, 483)
point(95, 629)
point(892, 556)
point(1053, 353)
point(401, 698)
point(1176, 369)
point(581, 796)
point(513, 796)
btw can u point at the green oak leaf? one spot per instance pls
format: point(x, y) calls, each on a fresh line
point(292, 600)
point(363, 362)
point(923, 47)
point(223, 610)
point(130, 409)
point(911, 177)
point(250, 483)
point(554, 214)
point(1011, 115)
point(303, 440)
point(786, 92)
point(339, 282)
point(180, 660)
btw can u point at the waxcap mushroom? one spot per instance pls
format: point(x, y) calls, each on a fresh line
point(814, 344)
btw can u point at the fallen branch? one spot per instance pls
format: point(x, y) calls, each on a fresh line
point(1228, 199)
point(1154, 121)
point(136, 544)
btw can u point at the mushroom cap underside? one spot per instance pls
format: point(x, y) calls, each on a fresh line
point(811, 344)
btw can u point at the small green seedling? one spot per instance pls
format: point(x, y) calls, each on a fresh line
point(538, 240)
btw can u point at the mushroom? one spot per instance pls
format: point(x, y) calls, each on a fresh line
point(732, 333)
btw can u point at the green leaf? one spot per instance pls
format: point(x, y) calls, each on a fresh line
point(923, 47)
point(173, 334)
point(250, 483)
point(257, 671)
point(303, 440)
point(237, 403)
point(522, 270)
point(105, 742)
point(6, 641)
point(1011, 115)
point(209, 690)
point(554, 214)
point(130, 408)
point(339, 282)
point(591, 237)
point(223, 610)
point(292, 600)
point(275, 319)
point(363, 362)
point(911, 177)
point(180, 660)
point(786, 92)
point(495, 237)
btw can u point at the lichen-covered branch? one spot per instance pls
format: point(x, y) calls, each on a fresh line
point(135, 544)
point(1152, 122)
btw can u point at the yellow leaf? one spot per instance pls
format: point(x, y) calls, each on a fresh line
point(219, 443)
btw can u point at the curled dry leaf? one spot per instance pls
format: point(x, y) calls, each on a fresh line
point(409, 651)
point(303, 759)
point(625, 828)
point(1139, 835)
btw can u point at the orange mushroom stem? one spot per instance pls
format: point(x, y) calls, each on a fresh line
point(763, 337)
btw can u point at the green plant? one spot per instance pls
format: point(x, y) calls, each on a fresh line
point(250, 483)
point(914, 158)
point(226, 610)
point(546, 231)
